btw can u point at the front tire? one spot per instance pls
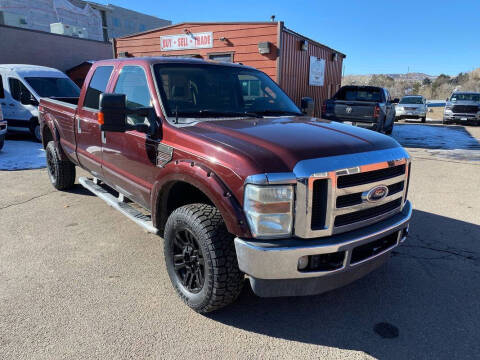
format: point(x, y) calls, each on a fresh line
point(424, 119)
point(2, 141)
point(60, 172)
point(200, 258)
point(35, 130)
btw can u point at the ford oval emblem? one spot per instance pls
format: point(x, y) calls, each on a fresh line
point(348, 109)
point(376, 194)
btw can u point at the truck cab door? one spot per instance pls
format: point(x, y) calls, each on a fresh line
point(89, 137)
point(129, 159)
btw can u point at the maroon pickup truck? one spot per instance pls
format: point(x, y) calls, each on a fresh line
point(217, 160)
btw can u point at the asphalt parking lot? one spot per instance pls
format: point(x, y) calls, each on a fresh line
point(79, 280)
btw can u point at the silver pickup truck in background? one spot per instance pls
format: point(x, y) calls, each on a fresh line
point(462, 107)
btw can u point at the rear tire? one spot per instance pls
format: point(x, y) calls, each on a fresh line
point(445, 122)
point(201, 259)
point(424, 119)
point(60, 172)
point(2, 141)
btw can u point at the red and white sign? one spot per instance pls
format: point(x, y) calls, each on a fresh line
point(186, 41)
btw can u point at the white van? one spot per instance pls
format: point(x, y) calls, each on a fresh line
point(3, 127)
point(22, 86)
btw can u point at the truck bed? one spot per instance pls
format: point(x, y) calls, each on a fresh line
point(63, 112)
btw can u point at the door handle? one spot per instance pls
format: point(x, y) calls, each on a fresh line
point(4, 103)
point(12, 105)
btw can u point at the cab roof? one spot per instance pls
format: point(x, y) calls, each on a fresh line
point(171, 60)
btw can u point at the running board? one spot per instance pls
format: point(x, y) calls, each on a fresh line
point(119, 204)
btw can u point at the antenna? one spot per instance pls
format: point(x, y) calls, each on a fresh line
point(272, 18)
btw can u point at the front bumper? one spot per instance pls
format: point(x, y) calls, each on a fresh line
point(3, 127)
point(450, 116)
point(272, 265)
point(410, 114)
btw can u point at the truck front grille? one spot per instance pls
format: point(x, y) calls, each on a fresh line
point(339, 201)
point(366, 214)
point(465, 109)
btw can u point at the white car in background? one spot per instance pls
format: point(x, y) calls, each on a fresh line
point(22, 86)
point(3, 128)
point(412, 107)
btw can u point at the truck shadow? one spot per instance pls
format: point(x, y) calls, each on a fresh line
point(448, 137)
point(421, 304)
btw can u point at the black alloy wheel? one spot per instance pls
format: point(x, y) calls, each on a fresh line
point(188, 261)
point(51, 166)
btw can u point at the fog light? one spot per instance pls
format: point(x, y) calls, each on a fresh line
point(302, 262)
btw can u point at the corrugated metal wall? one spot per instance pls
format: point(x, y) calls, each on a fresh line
point(240, 38)
point(295, 65)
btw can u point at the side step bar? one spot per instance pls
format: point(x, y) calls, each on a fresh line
point(119, 204)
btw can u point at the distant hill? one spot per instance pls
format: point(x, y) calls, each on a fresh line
point(432, 87)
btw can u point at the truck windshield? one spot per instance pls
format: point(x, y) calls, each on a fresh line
point(411, 100)
point(53, 87)
point(465, 97)
point(210, 91)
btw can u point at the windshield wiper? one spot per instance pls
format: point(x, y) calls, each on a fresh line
point(277, 113)
point(217, 113)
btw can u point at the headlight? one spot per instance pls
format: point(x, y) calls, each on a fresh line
point(269, 210)
point(400, 108)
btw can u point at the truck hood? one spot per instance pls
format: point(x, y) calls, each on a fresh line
point(278, 144)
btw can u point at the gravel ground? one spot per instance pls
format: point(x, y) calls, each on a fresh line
point(79, 280)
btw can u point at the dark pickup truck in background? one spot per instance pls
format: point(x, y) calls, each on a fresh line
point(217, 160)
point(366, 106)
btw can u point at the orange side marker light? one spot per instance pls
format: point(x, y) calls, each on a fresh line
point(100, 118)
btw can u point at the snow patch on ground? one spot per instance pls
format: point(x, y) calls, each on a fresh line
point(452, 142)
point(22, 155)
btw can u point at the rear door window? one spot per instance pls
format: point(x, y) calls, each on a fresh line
point(359, 94)
point(98, 85)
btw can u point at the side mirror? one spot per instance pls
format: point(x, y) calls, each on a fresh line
point(396, 100)
point(307, 106)
point(113, 115)
point(28, 99)
point(113, 112)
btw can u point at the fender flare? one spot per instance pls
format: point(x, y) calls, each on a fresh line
point(206, 181)
point(52, 126)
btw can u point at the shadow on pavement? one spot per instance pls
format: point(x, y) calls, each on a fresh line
point(435, 137)
point(422, 304)
point(79, 190)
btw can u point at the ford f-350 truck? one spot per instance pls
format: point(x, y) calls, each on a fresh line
point(218, 160)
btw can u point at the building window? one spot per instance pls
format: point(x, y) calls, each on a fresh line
point(221, 57)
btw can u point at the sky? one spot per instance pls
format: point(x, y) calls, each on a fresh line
point(378, 37)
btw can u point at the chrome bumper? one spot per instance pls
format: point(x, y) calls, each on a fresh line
point(273, 264)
